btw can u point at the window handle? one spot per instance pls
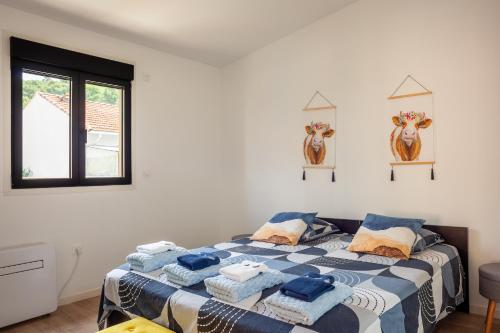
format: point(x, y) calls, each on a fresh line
point(83, 134)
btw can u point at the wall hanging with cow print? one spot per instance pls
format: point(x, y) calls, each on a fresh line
point(411, 125)
point(319, 134)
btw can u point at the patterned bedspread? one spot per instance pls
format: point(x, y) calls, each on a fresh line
point(390, 295)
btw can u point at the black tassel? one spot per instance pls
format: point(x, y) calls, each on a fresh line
point(333, 176)
point(432, 173)
point(304, 175)
point(392, 175)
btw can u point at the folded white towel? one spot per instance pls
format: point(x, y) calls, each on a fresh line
point(155, 248)
point(243, 271)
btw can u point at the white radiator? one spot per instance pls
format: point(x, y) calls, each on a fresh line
point(27, 282)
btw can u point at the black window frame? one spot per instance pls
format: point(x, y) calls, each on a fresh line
point(80, 68)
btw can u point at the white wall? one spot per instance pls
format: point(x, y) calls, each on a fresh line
point(176, 150)
point(357, 57)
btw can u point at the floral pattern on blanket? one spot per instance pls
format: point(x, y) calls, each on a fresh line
point(390, 296)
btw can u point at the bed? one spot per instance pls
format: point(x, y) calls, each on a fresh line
point(390, 295)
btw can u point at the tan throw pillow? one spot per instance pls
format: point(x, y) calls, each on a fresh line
point(386, 236)
point(287, 232)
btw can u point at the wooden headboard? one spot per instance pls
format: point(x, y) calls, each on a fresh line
point(456, 236)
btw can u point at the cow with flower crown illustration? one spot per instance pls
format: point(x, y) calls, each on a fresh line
point(314, 143)
point(405, 140)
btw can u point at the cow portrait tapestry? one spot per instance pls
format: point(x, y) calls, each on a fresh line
point(406, 138)
point(410, 124)
point(319, 133)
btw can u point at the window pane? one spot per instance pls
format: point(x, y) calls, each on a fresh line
point(103, 124)
point(46, 126)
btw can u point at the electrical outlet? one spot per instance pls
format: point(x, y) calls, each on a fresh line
point(78, 249)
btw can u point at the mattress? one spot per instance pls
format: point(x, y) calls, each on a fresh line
point(390, 295)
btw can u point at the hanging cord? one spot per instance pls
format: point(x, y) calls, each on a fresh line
point(322, 96)
point(392, 173)
point(433, 138)
point(78, 254)
point(304, 174)
point(403, 82)
point(334, 144)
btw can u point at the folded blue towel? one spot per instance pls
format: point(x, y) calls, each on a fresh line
point(144, 262)
point(233, 291)
point(309, 286)
point(185, 277)
point(199, 261)
point(295, 310)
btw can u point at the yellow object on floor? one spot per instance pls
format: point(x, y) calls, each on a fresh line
point(137, 325)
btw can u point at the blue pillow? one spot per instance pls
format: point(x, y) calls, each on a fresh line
point(318, 229)
point(425, 239)
point(308, 218)
point(380, 222)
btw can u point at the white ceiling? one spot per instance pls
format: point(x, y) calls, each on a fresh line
point(215, 32)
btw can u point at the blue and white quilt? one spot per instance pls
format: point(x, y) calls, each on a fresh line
point(390, 295)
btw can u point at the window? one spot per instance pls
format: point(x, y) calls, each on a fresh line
point(71, 118)
point(103, 123)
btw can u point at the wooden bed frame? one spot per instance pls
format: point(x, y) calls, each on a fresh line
point(456, 236)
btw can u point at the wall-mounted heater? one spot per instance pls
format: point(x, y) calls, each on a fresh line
point(27, 282)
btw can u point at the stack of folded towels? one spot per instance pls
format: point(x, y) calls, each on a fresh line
point(150, 257)
point(193, 268)
point(239, 281)
point(307, 298)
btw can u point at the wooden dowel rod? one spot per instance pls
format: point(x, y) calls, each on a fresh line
point(320, 108)
point(412, 163)
point(318, 167)
point(410, 95)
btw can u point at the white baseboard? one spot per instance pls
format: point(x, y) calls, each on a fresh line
point(80, 296)
point(481, 310)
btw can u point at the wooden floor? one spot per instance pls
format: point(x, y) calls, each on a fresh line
point(80, 317)
point(459, 322)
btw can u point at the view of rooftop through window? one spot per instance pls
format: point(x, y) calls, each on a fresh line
point(47, 128)
point(103, 123)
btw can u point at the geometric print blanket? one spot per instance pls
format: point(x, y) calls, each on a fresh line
point(390, 295)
